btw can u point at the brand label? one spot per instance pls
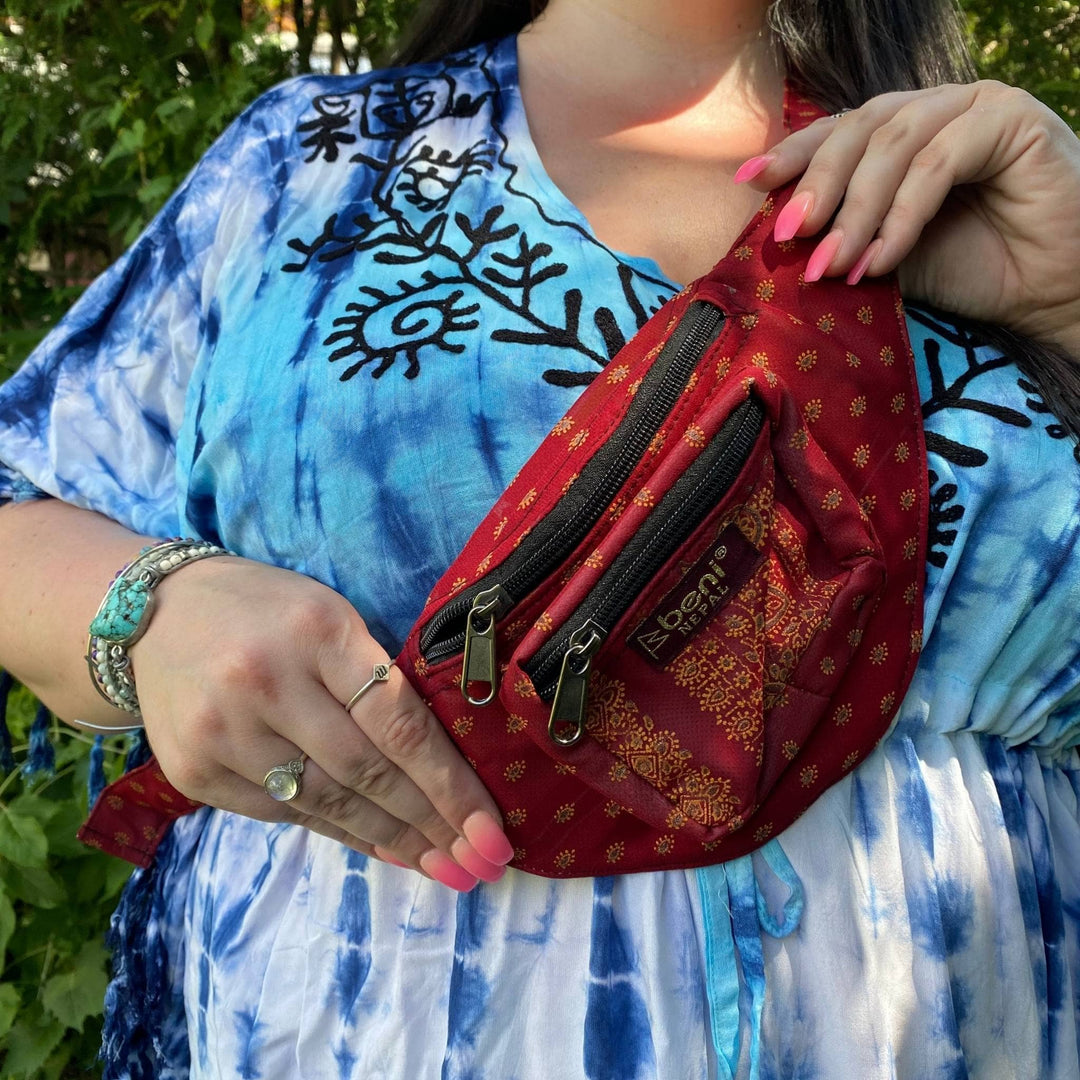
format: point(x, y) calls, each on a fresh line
point(706, 587)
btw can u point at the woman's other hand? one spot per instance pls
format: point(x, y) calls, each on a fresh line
point(972, 192)
point(244, 666)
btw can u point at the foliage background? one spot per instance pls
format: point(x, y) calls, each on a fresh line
point(106, 107)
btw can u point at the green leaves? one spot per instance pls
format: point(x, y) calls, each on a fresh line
point(22, 839)
point(76, 994)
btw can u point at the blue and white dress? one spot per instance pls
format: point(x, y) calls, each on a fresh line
point(331, 351)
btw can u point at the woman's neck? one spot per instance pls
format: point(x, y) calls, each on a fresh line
point(659, 58)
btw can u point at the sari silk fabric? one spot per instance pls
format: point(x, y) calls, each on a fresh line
point(332, 351)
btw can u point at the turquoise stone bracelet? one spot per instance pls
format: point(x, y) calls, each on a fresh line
point(125, 613)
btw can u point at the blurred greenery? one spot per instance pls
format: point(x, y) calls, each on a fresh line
point(106, 107)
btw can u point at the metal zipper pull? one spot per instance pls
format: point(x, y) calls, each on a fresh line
point(478, 662)
point(571, 702)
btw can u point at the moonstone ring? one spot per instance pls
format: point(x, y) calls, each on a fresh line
point(282, 782)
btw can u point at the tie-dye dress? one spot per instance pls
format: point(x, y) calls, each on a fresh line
point(331, 351)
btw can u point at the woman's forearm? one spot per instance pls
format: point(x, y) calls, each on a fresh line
point(56, 563)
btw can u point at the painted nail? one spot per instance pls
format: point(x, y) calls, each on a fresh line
point(790, 220)
point(444, 869)
point(489, 841)
point(823, 256)
point(855, 275)
point(475, 863)
point(755, 166)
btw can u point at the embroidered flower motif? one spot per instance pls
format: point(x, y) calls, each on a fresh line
point(527, 499)
point(743, 252)
point(766, 289)
point(114, 802)
point(887, 703)
point(579, 439)
point(853, 360)
point(619, 771)
point(903, 452)
point(612, 808)
point(909, 594)
point(850, 761)
point(563, 426)
point(748, 322)
point(595, 560)
point(563, 769)
point(524, 688)
point(854, 638)
point(790, 748)
point(916, 640)
point(858, 406)
point(617, 507)
point(565, 859)
point(910, 547)
point(800, 440)
point(865, 314)
point(483, 564)
point(808, 775)
point(723, 366)
point(907, 499)
point(694, 435)
point(786, 245)
point(521, 536)
point(644, 498)
point(420, 666)
point(564, 813)
point(615, 852)
point(617, 373)
point(832, 499)
point(887, 355)
point(812, 410)
point(458, 585)
point(499, 528)
point(897, 404)
point(514, 771)
point(842, 714)
point(867, 504)
point(828, 665)
point(691, 383)
point(463, 725)
point(657, 441)
point(569, 483)
point(806, 359)
point(861, 457)
point(761, 359)
point(763, 832)
point(664, 845)
point(879, 653)
point(676, 819)
point(544, 623)
point(633, 388)
point(516, 723)
point(827, 323)
point(516, 816)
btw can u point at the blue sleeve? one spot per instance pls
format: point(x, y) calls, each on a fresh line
point(92, 416)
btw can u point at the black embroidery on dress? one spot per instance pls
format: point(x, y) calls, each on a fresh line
point(1036, 403)
point(454, 258)
point(957, 394)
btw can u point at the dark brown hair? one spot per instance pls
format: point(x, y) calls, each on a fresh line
point(839, 53)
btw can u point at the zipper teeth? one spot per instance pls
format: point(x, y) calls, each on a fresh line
point(700, 333)
point(620, 595)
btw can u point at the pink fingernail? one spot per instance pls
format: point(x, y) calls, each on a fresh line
point(823, 255)
point(855, 275)
point(755, 166)
point(790, 220)
point(445, 870)
point(490, 842)
point(475, 863)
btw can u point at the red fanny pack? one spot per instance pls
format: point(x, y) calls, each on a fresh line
point(700, 602)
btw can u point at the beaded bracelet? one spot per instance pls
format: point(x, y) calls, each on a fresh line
point(125, 612)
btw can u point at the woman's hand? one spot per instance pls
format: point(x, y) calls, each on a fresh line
point(246, 665)
point(972, 192)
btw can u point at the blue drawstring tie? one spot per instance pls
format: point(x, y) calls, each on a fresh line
point(41, 757)
point(735, 913)
point(7, 758)
point(95, 780)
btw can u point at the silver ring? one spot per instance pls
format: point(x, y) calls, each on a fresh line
point(380, 673)
point(282, 782)
point(842, 112)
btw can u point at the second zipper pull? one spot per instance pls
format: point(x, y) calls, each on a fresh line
point(479, 664)
point(571, 701)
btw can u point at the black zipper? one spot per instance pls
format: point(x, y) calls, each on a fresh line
point(546, 547)
point(668, 526)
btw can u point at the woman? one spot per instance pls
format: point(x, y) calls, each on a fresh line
point(330, 353)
